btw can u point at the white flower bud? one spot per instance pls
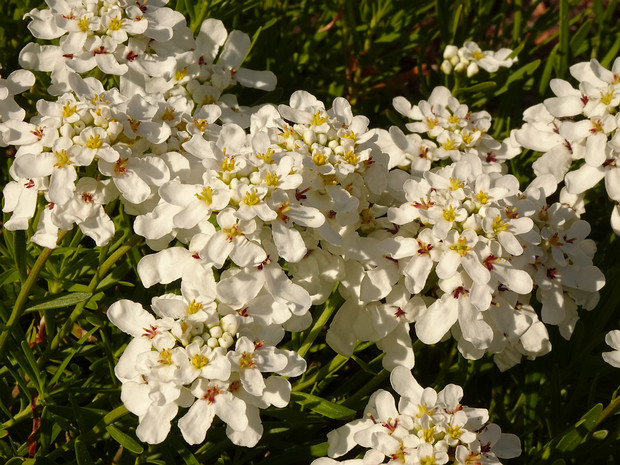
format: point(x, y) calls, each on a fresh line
point(450, 51)
point(446, 67)
point(460, 67)
point(226, 340)
point(309, 136)
point(472, 69)
point(230, 324)
point(216, 332)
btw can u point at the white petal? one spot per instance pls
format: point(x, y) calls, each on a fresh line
point(195, 423)
point(437, 320)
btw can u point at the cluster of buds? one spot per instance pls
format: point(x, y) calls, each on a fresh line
point(470, 58)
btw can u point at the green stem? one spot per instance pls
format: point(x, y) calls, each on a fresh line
point(337, 362)
point(94, 282)
point(25, 413)
point(20, 302)
point(613, 407)
point(328, 308)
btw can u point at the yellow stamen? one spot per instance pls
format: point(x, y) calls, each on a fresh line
point(194, 307)
point(317, 119)
point(499, 225)
point(199, 361)
point(251, 198)
point(94, 142)
point(456, 183)
point(449, 215)
point(461, 246)
point(206, 195)
point(68, 110)
point(350, 157)
point(272, 179)
point(63, 159)
point(115, 24)
point(482, 197)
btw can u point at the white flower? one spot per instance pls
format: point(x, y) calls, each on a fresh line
point(212, 398)
point(612, 338)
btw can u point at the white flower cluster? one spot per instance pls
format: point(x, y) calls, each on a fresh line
point(144, 41)
point(118, 143)
point(470, 58)
point(203, 355)
point(577, 132)
point(462, 249)
point(443, 128)
point(428, 427)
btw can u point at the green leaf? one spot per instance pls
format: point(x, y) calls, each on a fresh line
point(59, 301)
point(579, 43)
point(480, 87)
point(564, 36)
point(319, 450)
point(322, 406)
point(124, 440)
point(34, 372)
point(550, 64)
point(81, 453)
point(612, 53)
point(600, 435)
point(576, 435)
point(186, 455)
point(570, 440)
point(20, 461)
point(115, 276)
point(590, 418)
point(76, 348)
point(519, 75)
point(455, 23)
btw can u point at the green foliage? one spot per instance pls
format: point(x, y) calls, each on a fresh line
point(59, 398)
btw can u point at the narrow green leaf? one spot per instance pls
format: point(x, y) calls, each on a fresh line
point(20, 461)
point(550, 64)
point(612, 53)
point(124, 440)
point(455, 23)
point(81, 453)
point(579, 43)
point(611, 11)
point(8, 277)
point(114, 277)
point(480, 87)
point(59, 301)
point(20, 255)
point(186, 455)
point(322, 406)
point(33, 371)
point(571, 439)
point(319, 450)
point(73, 352)
point(590, 418)
point(519, 75)
point(564, 36)
point(19, 379)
